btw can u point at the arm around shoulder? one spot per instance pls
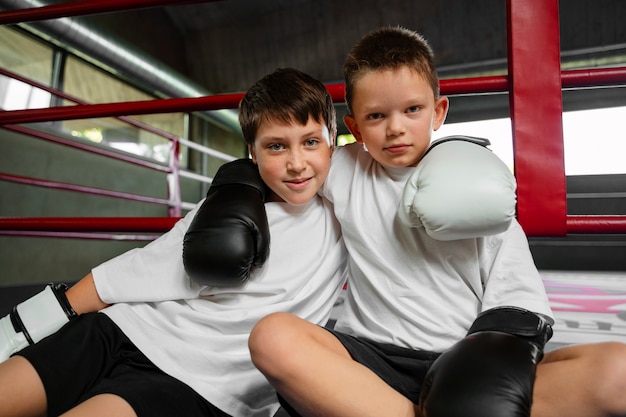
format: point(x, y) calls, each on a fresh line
point(229, 235)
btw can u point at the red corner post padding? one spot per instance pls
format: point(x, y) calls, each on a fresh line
point(536, 111)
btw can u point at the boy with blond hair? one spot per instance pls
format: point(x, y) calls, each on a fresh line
point(430, 327)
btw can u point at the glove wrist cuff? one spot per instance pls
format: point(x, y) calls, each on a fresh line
point(59, 290)
point(42, 314)
point(515, 321)
point(242, 172)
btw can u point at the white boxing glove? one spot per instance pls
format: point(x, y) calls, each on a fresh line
point(32, 320)
point(459, 190)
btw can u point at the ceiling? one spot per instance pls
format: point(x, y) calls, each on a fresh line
point(227, 45)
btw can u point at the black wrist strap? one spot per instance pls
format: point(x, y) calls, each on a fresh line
point(59, 290)
point(516, 321)
point(18, 325)
point(471, 139)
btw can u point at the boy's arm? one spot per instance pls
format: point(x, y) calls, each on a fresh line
point(44, 313)
point(83, 296)
point(212, 247)
point(510, 276)
point(459, 190)
point(129, 274)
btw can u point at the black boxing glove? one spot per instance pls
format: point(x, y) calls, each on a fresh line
point(491, 372)
point(229, 235)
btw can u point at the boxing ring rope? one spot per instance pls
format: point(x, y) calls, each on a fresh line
point(78, 145)
point(173, 186)
point(82, 189)
point(98, 228)
point(127, 120)
point(462, 86)
point(85, 7)
point(536, 111)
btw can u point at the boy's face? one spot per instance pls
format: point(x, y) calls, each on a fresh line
point(293, 159)
point(394, 113)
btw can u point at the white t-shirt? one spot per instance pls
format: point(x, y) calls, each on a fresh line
point(199, 334)
point(407, 288)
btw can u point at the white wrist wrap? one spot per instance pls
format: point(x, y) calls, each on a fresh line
point(32, 320)
point(42, 315)
point(10, 340)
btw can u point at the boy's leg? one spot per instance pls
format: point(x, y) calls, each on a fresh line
point(103, 405)
point(583, 380)
point(21, 390)
point(314, 372)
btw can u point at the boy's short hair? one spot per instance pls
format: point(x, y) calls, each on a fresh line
point(286, 95)
point(389, 48)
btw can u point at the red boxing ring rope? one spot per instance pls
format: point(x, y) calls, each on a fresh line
point(85, 7)
point(86, 111)
point(476, 85)
point(89, 224)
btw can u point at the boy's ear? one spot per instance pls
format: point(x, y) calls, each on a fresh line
point(441, 111)
point(353, 127)
point(251, 151)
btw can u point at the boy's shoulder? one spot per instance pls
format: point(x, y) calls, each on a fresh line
point(351, 148)
point(349, 152)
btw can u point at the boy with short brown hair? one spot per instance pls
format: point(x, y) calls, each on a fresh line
point(163, 344)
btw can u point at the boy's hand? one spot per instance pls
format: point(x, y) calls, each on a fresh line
point(32, 320)
point(491, 372)
point(229, 234)
point(459, 190)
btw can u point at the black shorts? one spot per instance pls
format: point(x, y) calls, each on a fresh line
point(92, 356)
point(401, 368)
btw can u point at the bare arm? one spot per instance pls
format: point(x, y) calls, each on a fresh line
point(83, 296)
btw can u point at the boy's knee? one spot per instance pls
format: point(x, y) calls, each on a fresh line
point(611, 362)
point(271, 339)
point(610, 372)
point(271, 328)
